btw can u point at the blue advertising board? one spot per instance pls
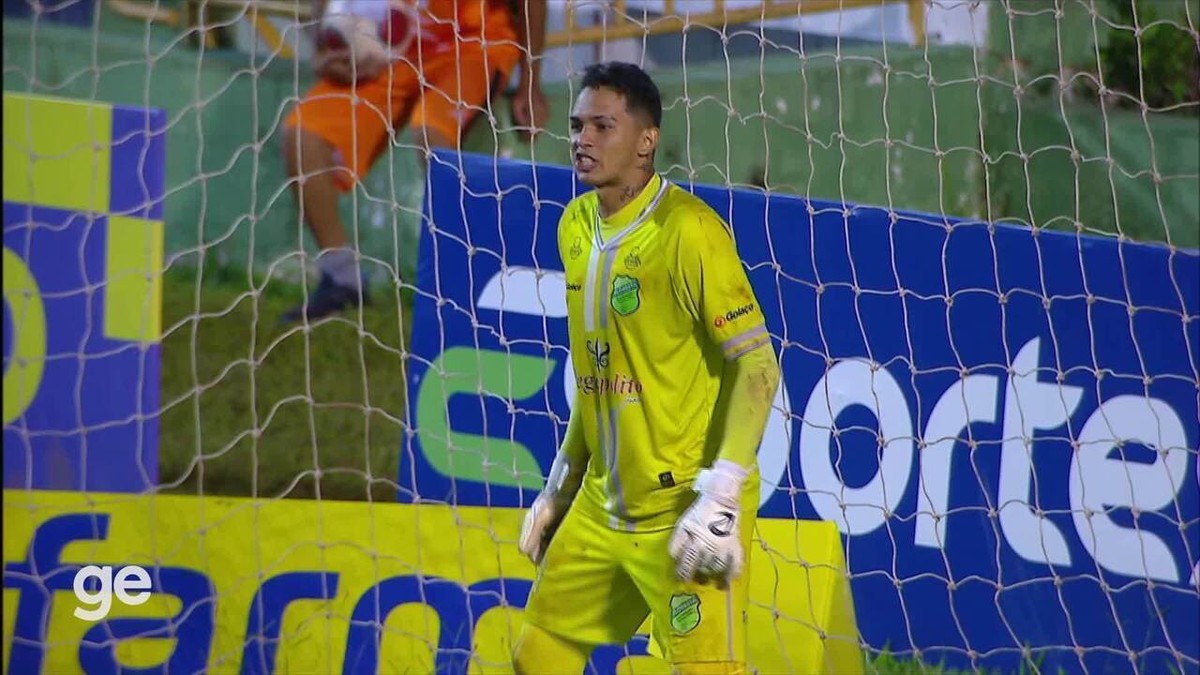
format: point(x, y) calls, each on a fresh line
point(83, 190)
point(79, 13)
point(1002, 421)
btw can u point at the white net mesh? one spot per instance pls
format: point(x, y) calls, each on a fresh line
point(973, 227)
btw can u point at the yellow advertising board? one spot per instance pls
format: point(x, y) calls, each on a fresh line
point(243, 585)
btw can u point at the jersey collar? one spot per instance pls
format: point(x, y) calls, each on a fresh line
point(633, 214)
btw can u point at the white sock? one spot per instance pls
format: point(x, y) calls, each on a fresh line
point(341, 265)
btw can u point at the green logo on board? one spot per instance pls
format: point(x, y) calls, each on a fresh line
point(626, 295)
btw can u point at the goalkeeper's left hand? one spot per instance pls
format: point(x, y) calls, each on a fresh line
point(707, 541)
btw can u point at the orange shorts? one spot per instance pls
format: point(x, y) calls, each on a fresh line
point(358, 120)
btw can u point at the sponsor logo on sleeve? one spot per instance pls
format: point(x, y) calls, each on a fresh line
point(733, 315)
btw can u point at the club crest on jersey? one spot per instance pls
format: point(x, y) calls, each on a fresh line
point(576, 248)
point(685, 612)
point(626, 295)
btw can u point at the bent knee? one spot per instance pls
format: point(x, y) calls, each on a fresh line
point(305, 152)
point(537, 650)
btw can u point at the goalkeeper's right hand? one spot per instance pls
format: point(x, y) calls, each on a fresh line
point(548, 509)
point(541, 521)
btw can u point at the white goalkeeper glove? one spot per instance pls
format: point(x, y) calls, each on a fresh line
point(707, 541)
point(548, 510)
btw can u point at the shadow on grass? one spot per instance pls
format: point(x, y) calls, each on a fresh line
point(253, 409)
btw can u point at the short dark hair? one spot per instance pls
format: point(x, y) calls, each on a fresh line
point(630, 81)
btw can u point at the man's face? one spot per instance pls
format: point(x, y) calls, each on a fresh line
point(605, 138)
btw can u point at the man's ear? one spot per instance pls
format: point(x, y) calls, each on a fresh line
point(649, 142)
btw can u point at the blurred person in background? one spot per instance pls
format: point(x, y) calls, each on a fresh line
point(450, 60)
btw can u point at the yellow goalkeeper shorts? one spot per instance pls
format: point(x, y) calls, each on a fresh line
point(597, 585)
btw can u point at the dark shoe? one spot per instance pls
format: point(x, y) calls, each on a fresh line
point(328, 299)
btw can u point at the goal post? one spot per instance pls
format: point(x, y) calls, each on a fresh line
point(972, 227)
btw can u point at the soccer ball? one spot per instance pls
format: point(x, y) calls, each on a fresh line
point(382, 29)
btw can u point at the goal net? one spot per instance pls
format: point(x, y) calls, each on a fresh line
point(973, 227)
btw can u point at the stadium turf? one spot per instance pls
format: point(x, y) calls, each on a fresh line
point(254, 409)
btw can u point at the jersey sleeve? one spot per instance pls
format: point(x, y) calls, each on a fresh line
point(711, 282)
point(565, 227)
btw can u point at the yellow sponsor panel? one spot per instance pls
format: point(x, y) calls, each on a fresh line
point(241, 585)
point(23, 376)
point(133, 272)
point(57, 152)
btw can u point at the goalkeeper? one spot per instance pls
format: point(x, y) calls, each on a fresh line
point(650, 504)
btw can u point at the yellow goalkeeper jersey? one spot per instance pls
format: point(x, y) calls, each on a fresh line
point(657, 300)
